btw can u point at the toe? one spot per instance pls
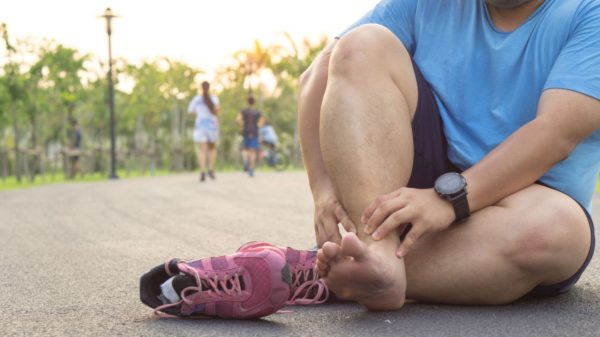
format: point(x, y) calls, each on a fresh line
point(322, 269)
point(331, 251)
point(322, 257)
point(353, 247)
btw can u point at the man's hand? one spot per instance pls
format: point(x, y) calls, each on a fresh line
point(328, 214)
point(424, 210)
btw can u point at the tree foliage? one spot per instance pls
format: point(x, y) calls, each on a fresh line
point(47, 84)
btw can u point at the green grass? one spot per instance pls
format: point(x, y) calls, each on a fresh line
point(598, 185)
point(11, 182)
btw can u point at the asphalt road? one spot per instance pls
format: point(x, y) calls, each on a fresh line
point(71, 256)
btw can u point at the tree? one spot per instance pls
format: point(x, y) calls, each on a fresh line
point(157, 105)
point(287, 68)
point(39, 97)
point(4, 120)
point(281, 64)
point(59, 71)
point(179, 88)
point(252, 62)
point(15, 85)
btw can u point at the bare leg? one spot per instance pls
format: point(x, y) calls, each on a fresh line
point(535, 236)
point(77, 168)
point(245, 158)
point(366, 141)
point(252, 158)
point(212, 156)
point(201, 150)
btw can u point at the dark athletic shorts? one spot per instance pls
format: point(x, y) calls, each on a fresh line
point(431, 161)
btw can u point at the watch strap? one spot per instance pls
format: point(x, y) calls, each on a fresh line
point(461, 207)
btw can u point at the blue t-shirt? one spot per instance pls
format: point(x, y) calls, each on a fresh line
point(487, 83)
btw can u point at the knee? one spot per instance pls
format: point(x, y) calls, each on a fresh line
point(363, 48)
point(548, 235)
point(315, 76)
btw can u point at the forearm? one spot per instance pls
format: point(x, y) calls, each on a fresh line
point(564, 119)
point(516, 163)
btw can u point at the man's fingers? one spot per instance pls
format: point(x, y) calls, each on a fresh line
point(344, 219)
point(393, 222)
point(318, 236)
point(330, 229)
point(368, 212)
point(383, 212)
point(413, 235)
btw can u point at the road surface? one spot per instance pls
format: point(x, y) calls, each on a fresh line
point(71, 256)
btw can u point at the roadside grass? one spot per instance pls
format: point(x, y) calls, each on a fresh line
point(11, 183)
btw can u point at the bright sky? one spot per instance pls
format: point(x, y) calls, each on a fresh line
point(199, 32)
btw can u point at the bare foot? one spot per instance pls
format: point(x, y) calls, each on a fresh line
point(364, 274)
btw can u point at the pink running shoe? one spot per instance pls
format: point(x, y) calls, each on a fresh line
point(243, 285)
point(307, 286)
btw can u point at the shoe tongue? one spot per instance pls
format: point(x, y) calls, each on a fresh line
point(181, 282)
point(172, 288)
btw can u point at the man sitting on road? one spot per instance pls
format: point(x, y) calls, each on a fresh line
point(459, 140)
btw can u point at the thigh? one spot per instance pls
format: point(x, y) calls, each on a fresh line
point(534, 237)
point(202, 146)
point(365, 120)
point(386, 56)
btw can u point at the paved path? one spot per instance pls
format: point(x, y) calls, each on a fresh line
point(71, 256)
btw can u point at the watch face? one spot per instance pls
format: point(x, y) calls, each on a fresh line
point(449, 183)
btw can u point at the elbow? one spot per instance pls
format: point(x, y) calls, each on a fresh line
point(564, 147)
point(560, 143)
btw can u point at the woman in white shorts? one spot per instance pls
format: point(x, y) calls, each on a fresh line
point(206, 129)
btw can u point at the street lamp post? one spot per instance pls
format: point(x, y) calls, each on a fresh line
point(108, 15)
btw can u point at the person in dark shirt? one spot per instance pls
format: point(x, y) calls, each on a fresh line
point(74, 148)
point(251, 119)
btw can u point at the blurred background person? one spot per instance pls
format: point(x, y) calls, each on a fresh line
point(206, 129)
point(268, 138)
point(74, 151)
point(251, 119)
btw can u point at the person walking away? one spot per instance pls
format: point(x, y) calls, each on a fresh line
point(206, 129)
point(250, 118)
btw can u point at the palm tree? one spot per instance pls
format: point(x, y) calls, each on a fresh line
point(252, 62)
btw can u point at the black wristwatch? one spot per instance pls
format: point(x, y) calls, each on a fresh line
point(453, 187)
